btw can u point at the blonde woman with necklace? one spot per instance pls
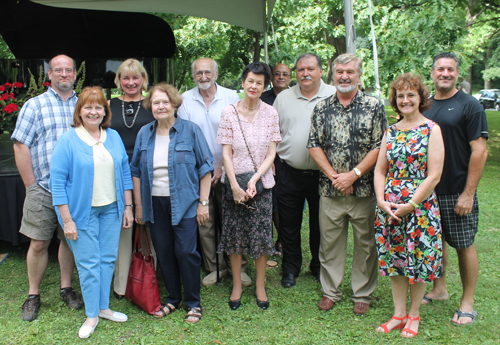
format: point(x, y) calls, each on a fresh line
point(172, 170)
point(407, 223)
point(91, 187)
point(129, 115)
point(248, 132)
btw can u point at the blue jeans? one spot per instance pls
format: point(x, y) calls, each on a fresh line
point(175, 247)
point(95, 252)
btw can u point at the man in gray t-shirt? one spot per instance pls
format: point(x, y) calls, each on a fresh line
point(296, 173)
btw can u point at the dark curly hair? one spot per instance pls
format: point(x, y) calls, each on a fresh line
point(410, 81)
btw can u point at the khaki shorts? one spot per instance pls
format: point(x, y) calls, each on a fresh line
point(39, 216)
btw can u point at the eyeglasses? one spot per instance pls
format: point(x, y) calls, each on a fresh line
point(208, 73)
point(279, 74)
point(248, 206)
point(129, 110)
point(61, 70)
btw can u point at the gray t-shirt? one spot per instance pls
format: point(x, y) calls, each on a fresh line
point(294, 111)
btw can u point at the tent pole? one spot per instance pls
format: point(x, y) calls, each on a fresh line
point(350, 29)
point(375, 53)
point(265, 48)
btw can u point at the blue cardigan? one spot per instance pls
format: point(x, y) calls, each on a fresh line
point(72, 175)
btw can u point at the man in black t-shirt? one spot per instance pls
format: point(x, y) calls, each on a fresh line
point(281, 80)
point(465, 131)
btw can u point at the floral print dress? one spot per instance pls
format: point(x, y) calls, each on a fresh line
point(412, 247)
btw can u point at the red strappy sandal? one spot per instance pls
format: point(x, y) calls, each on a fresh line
point(408, 330)
point(401, 325)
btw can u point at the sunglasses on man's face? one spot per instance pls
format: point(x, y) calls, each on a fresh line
point(129, 109)
point(279, 74)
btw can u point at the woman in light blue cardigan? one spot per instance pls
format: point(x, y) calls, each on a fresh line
point(91, 186)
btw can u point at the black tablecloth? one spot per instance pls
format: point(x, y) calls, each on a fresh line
point(12, 194)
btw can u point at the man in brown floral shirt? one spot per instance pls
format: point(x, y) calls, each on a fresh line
point(346, 131)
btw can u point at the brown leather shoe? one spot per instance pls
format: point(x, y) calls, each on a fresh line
point(360, 308)
point(326, 304)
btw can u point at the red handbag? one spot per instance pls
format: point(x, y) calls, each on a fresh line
point(142, 283)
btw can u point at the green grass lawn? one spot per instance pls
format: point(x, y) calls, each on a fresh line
point(293, 317)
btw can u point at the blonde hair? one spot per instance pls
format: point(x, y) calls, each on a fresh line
point(131, 67)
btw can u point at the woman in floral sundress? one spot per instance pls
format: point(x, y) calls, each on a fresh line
point(408, 225)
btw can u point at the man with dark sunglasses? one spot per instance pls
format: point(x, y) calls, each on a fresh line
point(281, 80)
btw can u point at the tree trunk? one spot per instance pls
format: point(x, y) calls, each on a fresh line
point(335, 19)
point(256, 46)
point(469, 19)
point(171, 72)
point(489, 52)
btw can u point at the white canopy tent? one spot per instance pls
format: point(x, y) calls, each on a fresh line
point(248, 14)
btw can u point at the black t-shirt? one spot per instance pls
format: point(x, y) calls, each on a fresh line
point(462, 119)
point(128, 135)
point(268, 97)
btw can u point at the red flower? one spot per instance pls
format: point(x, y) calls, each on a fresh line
point(399, 249)
point(410, 159)
point(396, 182)
point(405, 192)
point(4, 97)
point(2, 88)
point(46, 83)
point(431, 231)
point(425, 132)
point(427, 205)
point(17, 84)
point(9, 108)
point(8, 84)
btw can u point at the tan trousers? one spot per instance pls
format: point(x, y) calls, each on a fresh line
point(124, 258)
point(207, 235)
point(335, 214)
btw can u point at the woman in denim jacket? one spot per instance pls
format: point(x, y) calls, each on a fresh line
point(171, 172)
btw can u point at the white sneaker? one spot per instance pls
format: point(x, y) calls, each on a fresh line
point(245, 279)
point(86, 331)
point(116, 316)
point(211, 279)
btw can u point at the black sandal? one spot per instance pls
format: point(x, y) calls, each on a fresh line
point(162, 313)
point(194, 313)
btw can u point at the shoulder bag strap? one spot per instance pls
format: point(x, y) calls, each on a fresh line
point(243, 133)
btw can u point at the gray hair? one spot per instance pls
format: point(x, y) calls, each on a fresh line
point(345, 59)
point(307, 55)
point(216, 66)
point(445, 55)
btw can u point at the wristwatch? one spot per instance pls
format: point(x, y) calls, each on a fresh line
point(357, 172)
point(203, 203)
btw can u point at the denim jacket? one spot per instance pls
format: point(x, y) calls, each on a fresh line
point(189, 159)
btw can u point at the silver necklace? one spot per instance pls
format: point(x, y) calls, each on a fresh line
point(135, 116)
point(246, 106)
